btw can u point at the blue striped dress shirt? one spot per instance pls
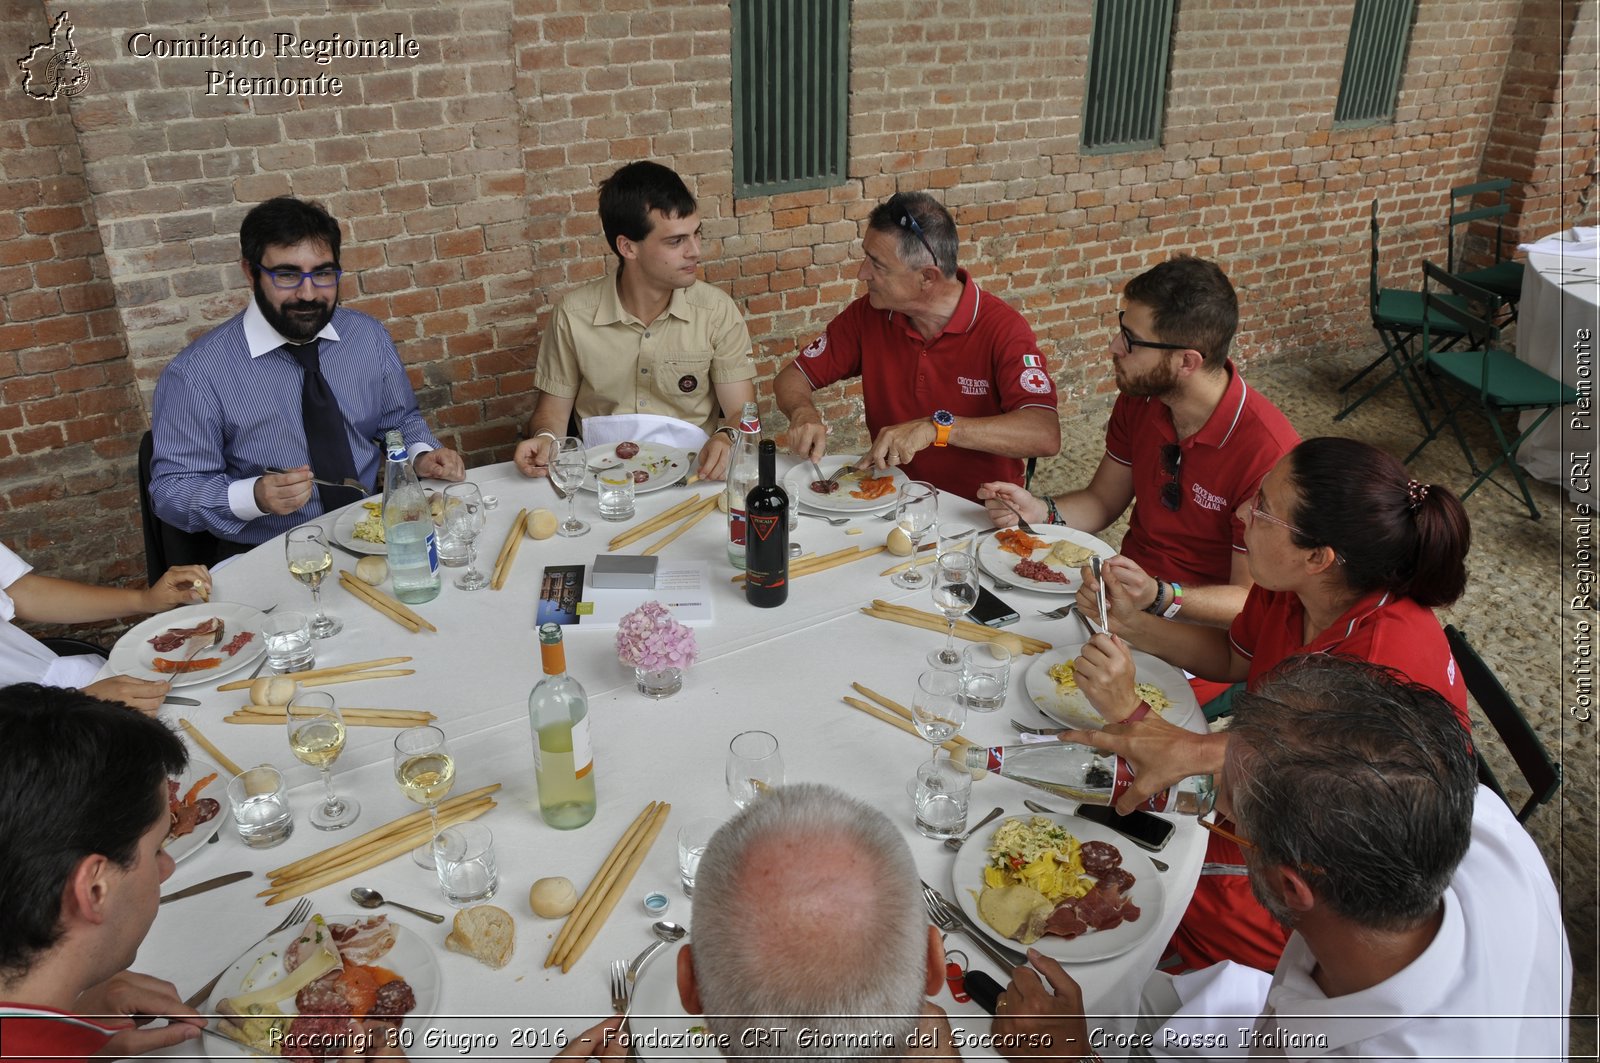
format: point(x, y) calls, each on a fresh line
point(229, 405)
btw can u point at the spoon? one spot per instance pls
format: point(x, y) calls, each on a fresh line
point(1034, 806)
point(954, 844)
point(666, 932)
point(372, 899)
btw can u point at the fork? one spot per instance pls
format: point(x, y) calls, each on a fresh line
point(620, 997)
point(947, 920)
point(1023, 728)
point(1024, 525)
point(349, 482)
point(297, 914)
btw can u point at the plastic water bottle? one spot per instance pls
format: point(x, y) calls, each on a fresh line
point(743, 474)
point(408, 527)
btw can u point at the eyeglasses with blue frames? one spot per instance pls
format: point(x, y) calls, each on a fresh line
point(904, 219)
point(1131, 341)
point(288, 278)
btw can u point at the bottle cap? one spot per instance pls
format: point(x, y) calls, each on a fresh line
point(656, 903)
point(795, 550)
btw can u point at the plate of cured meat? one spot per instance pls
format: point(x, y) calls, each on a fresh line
point(1049, 560)
point(301, 993)
point(1074, 890)
point(195, 801)
point(857, 491)
point(651, 465)
point(223, 637)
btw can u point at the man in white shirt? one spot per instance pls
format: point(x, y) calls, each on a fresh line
point(26, 595)
point(1425, 923)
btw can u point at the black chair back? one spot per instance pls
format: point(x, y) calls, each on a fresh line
point(1542, 774)
point(164, 545)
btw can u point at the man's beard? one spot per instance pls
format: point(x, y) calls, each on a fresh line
point(295, 327)
point(1158, 383)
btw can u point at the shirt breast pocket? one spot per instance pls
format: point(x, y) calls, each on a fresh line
point(684, 376)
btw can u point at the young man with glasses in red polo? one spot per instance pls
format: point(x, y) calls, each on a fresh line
point(956, 390)
point(1188, 444)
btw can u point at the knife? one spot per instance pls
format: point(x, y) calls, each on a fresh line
point(174, 699)
point(1100, 586)
point(208, 884)
point(337, 545)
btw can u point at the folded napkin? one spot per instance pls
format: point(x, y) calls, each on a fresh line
point(642, 428)
point(1580, 241)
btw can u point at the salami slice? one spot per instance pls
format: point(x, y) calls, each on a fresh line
point(395, 1001)
point(1099, 857)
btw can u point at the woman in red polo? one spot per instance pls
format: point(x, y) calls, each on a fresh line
point(1349, 556)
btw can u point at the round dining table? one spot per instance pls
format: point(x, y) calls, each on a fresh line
point(1558, 327)
point(784, 670)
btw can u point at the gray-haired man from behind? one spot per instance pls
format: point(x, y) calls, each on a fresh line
point(809, 941)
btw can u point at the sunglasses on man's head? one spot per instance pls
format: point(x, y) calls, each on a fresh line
point(904, 219)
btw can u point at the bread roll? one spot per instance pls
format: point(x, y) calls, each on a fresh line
point(552, 898)
point(541, 524)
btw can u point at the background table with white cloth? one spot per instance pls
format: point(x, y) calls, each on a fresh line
point(1558, 325)
point(783, 670)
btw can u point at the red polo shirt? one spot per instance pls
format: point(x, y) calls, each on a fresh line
point(985, 362)
point(28, 1032)
point(1222, 468)
point(1224, 921)
point(1381, 628)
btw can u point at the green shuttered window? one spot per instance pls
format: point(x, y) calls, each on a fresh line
point(1127, 88)
point(791, 61)
point(1373, 61)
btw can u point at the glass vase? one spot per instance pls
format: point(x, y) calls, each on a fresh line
point(658, 683)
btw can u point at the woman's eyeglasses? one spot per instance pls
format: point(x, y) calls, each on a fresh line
point(1171, 462)
point(1257, 513)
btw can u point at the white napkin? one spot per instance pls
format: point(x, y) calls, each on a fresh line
point(642, 428)
point(1580, 241)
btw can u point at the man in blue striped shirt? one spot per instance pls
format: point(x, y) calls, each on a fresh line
point(292, 366)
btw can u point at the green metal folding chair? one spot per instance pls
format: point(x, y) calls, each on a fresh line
point(1541, 774)
point(1495, 380)
point(1504, 276)
point(1397, 317)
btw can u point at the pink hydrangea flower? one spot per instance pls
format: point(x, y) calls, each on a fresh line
point(651, 639)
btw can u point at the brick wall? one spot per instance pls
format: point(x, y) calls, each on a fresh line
point(466, 178)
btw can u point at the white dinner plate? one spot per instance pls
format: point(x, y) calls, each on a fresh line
point(658, 1013)
point(344, 530)
point(411, 958)
point(133, 655)
point(662, 466)
point(967, 882)
point(799, 479)
point(217, 789)
point(1001, 564)
point(1073, 709)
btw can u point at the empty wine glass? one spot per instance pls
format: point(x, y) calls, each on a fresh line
point(463, 521)
point(955, 592)
point(754, 766)
point(316, 737)
point(310, 561)
point(425, 771)
point(568, 466)
point(918, 514)
point(937, 709)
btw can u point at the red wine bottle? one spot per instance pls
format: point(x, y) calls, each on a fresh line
point(766, 541)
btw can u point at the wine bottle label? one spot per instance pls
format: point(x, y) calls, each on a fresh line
point(1124, 779)
point(764, 526)
point(582, 749)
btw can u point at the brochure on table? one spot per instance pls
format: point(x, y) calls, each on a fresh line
point(682, 586)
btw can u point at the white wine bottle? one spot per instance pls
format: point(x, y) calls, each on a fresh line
point(563, 755)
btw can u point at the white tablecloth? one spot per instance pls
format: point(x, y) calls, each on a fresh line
point(782, 670)
point(1558, 325)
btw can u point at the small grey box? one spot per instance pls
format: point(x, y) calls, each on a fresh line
point(625, 571)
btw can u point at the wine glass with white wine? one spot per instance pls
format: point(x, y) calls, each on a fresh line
point(310, 561)
point(938, 710)
point(316, 737)
point(569, 464)
point(425, 771)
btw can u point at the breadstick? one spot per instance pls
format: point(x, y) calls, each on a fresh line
point(623, 879)
point(591, 894)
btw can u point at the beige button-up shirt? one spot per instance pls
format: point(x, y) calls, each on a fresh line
point(609, 362)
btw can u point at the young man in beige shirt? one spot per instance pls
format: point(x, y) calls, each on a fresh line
point(653, 339)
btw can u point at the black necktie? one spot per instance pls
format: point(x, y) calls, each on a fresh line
point(326, 440)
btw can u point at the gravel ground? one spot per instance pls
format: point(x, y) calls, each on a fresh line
point(1512, 613)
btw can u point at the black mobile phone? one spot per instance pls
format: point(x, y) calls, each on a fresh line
point(1145, 829)
point(991, 611)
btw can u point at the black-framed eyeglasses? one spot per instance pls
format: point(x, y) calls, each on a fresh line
point(287, 277)
point(1131, 341)
point(1171, 462)
point(904, 219)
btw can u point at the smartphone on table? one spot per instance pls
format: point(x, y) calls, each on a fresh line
point(1145, 829)
point(991, 611)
